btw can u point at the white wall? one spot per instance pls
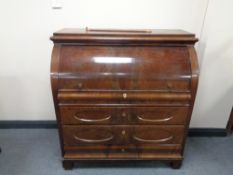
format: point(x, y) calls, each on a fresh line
point(215, 94)
point(25, 48)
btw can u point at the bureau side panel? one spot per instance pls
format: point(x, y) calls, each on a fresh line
point(194, 85)
point(54, 78)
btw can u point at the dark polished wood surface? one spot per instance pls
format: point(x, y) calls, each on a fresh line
point(123, 94)
point(116, 37)
point(123, 115)
point(229, 127)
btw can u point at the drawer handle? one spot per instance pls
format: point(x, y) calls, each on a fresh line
point(169, 85)
point(124, 95)
point(153, 141)
point(93, 141)
point(123, 114)
point(91, 120)
point(80, 85)
point(155, 120)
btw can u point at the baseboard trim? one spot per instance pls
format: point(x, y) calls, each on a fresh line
point(207, 132)
point(51, 124)
point(19, 124)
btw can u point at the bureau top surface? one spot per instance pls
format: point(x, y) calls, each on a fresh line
point(167, 35)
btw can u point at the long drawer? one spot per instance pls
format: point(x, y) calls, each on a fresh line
point(73, 82)
point(124, 97)
point(124, 151)
point(102, 135)
point(122, 115)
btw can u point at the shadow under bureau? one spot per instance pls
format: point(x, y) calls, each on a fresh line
point(123, 94)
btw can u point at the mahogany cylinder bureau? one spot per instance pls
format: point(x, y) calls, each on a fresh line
point(123, 94)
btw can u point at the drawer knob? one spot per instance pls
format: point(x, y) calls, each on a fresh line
point(169, 85)
point(123, 114)
point(123, 132)
point(124, 95)
point(122, 150)
point(79, 85)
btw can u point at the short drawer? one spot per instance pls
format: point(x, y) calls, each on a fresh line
point(158, 115)
point(122, 115)
point(143, 136)
point(140, 136)
point(97, 135)
point(88, 115)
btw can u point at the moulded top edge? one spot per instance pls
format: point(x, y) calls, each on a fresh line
point(123, 34)
point(138, 32)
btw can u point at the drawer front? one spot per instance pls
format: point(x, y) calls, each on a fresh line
point(100, 135)
point(118, 115)
point(158, 115)
point(74, 82)
point(100, 152)
point(156, 135)
point(88, 115)
point(124, 68)
point(155, 152)
point(123, 97)
point(141, 136)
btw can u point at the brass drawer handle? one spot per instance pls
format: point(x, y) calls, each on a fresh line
point(123, 132)
point(93, 141)
point(80, 85)
point(124, 95)
point(91, 120)
point(153, 141)
point(123, 114)
point(155, 120)
point(169, 85)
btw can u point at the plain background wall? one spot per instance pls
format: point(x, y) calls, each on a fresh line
point(25, 48)
point(215, 94)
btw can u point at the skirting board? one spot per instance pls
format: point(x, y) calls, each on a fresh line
point(193, 132)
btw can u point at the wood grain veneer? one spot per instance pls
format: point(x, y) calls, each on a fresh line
point(123, 94)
